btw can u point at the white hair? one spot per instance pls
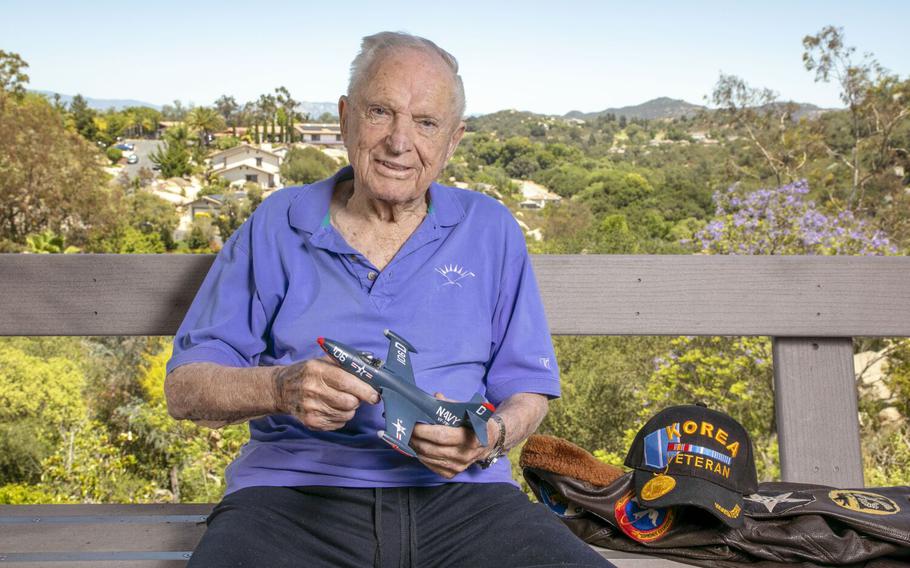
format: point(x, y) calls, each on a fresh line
point(375, 47)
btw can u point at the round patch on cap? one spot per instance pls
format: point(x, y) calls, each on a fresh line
point(559, 504)
point(641, 523)
point(657, 487)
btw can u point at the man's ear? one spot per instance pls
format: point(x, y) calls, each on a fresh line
point(343, 107)
point(456, 138)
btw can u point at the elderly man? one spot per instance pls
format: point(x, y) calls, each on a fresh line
point(379, 245)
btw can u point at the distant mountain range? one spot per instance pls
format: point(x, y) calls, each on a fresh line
point(662, 107)
point(667, 108)
point(313, 109)
point(100, 104)
point(659, 108)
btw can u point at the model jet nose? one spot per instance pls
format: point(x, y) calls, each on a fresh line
point(321, 342)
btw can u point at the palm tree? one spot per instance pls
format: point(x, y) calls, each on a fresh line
point(205, 121)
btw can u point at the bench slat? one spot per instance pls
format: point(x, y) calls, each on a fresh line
point(100, 537)
point(120, 563)
point(93, 509)
point(584, 294)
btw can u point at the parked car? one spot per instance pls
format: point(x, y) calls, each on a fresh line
point(132, 159)
point(125, 146)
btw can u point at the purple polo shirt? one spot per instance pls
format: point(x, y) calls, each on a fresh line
point(461, 290)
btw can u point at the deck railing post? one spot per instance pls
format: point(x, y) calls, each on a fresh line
point(815, 402)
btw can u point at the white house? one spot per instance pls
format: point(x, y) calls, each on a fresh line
point(245, 162)
point(319, 134)
point(535, 196)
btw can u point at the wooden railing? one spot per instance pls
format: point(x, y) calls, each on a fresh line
point(810, 306)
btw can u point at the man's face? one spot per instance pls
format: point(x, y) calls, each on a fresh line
point(400, 129)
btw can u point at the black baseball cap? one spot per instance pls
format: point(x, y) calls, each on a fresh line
point(692, 455)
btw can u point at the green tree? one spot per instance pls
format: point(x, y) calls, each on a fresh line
point(615, 237)
point(204, 121)
point(91, 468)
point(52, 179)
point(173, 156)
point(307, 165)
point(228, 108)
point(12, 77)
point(40, 405)
point(185, 458)
point(114, 154)
point(83, 118)
point(782, 145)
point(288, 105)
point(49, 243)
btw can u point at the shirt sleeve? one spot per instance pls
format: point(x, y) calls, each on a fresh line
point(523, 358)
point(226, 323)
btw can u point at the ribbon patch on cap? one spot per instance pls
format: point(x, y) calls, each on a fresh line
point(665, 447)
point(641, 523)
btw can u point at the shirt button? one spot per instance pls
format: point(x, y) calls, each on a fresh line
point(372, 275)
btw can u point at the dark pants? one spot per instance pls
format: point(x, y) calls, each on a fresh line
point(457, 525)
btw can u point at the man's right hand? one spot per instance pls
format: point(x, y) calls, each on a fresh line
point(321, 394)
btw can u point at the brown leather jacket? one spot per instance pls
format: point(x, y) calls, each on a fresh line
point(785, 523)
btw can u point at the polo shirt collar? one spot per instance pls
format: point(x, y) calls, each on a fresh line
point(309, 212)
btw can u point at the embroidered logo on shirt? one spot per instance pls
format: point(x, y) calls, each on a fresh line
point(454, 274)
point(545, 361)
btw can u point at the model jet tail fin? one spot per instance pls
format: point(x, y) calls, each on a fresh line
point(398, 360)
point(395, 337)
point(478, 412)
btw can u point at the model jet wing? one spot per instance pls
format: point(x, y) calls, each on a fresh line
point(400, 417)
point(398, 361)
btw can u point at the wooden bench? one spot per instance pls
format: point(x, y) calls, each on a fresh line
point(812, 307)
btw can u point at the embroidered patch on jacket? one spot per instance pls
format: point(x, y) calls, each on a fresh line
point(559, 504)
point(760, 503)
point(641, 523)
point(864, 502)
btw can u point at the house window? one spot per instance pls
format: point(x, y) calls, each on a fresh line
point(252, 177)
point(338, 138)
point(315, 138)
point(259, 162)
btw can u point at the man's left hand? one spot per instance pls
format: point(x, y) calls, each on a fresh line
point(448, 451)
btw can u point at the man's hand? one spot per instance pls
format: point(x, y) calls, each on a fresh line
point(321, 394)
point(448, 451)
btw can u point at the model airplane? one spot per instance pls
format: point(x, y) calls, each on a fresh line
point(405, 403)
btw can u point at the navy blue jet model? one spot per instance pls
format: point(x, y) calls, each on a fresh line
point(405, 402)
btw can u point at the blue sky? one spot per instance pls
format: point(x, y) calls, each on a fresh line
point(548, 57)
